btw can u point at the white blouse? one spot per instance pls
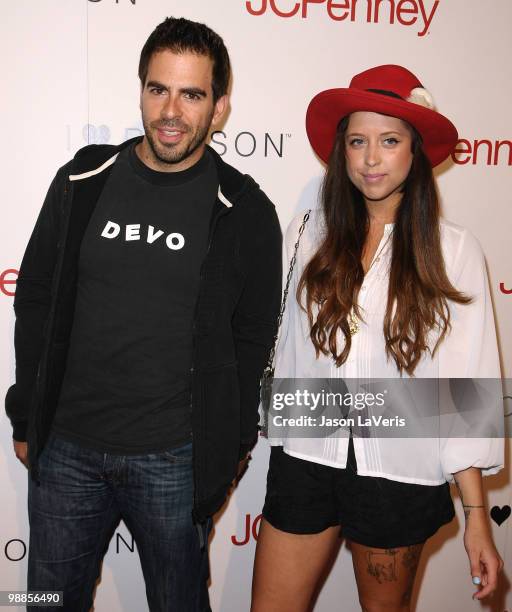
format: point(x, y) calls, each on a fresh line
point(470, 350)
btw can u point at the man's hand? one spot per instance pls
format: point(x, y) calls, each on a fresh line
point(21, 451)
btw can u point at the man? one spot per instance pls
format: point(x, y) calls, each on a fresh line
point(146, 306)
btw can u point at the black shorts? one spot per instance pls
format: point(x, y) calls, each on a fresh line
point(305, 497)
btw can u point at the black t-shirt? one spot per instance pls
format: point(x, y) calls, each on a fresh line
point(127, 383)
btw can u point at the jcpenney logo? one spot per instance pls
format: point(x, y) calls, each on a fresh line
point(409, 13)
point(8, 281)
point(484, 151)
point(250, 529)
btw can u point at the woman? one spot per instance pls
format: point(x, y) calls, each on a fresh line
point(382, 288)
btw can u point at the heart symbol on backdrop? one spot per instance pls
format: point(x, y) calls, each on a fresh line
point(96, 134)
point(500, 515)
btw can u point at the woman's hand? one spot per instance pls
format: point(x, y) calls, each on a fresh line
point(484, 560)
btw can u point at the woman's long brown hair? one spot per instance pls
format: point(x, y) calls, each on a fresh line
point(419, 289)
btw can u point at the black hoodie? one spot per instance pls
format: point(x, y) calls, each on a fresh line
point(234, 323)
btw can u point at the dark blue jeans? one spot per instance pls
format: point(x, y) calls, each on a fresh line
point(78, 503)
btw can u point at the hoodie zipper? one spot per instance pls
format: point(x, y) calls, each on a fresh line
point(224, 211)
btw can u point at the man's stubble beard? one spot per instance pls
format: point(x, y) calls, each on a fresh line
point(172, 154)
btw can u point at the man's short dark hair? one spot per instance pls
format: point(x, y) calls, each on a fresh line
point(181, 35)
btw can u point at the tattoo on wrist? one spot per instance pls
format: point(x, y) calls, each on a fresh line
point(467, 510)
point(466, 507)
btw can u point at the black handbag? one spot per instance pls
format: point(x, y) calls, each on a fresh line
point(267, 378)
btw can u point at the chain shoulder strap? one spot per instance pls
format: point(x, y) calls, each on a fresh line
point(270, 363)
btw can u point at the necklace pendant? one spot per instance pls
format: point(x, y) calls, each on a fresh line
point(353, 324)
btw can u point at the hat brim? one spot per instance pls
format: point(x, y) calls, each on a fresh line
point(327, 108)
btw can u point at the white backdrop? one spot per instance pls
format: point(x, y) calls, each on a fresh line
point(70, 77)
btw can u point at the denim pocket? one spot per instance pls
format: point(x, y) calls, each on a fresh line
point(182, 454)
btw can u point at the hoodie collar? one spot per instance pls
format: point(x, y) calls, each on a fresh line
point(94, 159)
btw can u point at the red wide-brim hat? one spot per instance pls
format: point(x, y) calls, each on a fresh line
point(389, 90)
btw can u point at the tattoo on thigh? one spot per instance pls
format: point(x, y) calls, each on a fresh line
point(382, 565)
point(410, 560)
point(406, 597)
point(411, 557)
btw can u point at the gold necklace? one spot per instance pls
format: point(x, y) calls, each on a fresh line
point(353, 321)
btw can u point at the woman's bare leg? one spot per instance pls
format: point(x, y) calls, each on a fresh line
point(287, 568)
point(385, 577)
